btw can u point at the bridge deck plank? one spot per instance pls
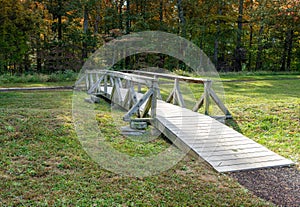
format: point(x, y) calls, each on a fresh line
point(222, 147)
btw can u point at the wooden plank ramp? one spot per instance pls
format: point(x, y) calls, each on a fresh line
point(225, 149)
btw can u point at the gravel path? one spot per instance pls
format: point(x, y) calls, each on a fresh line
point(280, 186)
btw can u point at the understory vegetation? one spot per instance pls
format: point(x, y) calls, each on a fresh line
point(42, 162)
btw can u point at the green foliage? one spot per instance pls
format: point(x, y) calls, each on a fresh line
point(58, 76)
point(49, 36)
point(16, 23)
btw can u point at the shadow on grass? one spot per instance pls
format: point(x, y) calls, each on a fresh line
point(233, 124)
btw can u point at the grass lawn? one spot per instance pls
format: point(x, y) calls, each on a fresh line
point(42, 162)
point(268, 112)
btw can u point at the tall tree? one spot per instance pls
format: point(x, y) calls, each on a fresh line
point(182, 21)
point(239, 50)
point(128, 17)
point(217, 34)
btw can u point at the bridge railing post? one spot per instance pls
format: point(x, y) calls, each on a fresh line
point(91, 80)
point(139, 90)
point(87, 82)
point(105, 83)
point(207, 85)
point(154, 98)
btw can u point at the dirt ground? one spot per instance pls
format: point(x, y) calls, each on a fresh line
point(280, 186)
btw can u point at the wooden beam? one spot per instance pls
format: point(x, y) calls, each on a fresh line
point(207, 86)
point(219, 103)
point(168, 76)
point(137, 106)
point(95, 85)
point(178, 95)
point(116, 93)
point(199, 103)
point(171, 96)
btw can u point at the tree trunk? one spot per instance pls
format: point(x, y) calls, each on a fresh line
point(216, 45)
point(59, 19)
point(259, 49)
point(85, 31)
point(120, 7)
point(289, 51)
point(143, 6)
point(283, 56)
point(137, 6)
point(250, 39)
point(161, 4)
point(250, 47)
point(26, 62)
point(128, 17)
point(181, 18)
point(238, 59)
point(38, 52)
point(97, 20)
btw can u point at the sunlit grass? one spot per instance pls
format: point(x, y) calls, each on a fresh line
point(269, 113)
point(42, 162)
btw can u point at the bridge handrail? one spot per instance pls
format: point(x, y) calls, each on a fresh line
point(142, 78)
point(98, 81)
point(168, 76)
point(177, 96)
point(132, 77)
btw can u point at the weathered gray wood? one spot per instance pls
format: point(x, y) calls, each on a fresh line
point(154, 100)
point(207, 86)
point(215, 145)
point(91, 79)
point(132, 77)
point(105, 84)
point(133, 95)
point(136, 106)
point(208, 155)
point(147, 107)
point(219, 102)
point(251, 166)
point(220, 143)
point(127, 101)
point(140, 78)
point(199, 103)
point(87, 82)
point(222, 147)
point(96, 85)
point(248, 155)
point(168, 76)
point(178, 94)
point(253, 160)
point(170, 97)
point(111, 80)
point(116, 93)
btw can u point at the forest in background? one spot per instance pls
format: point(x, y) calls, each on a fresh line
point(46, 36)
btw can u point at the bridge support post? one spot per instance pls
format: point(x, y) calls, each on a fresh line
point(207, 86)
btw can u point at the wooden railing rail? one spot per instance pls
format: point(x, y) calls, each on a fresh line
point(176, 97)
point(110, 84)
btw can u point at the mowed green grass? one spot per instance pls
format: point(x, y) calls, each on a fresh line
point(43, 164)
point(267, 111)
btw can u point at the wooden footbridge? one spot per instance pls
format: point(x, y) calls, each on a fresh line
point(139, 93)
